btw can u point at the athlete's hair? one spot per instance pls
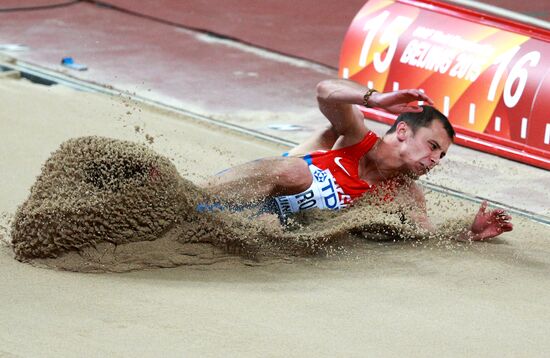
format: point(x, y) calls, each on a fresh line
point(423, 119)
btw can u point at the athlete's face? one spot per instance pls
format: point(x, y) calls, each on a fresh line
point(421, 151)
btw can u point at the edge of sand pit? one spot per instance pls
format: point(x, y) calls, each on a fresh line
point(42, 75)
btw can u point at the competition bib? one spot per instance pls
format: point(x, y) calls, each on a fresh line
point(322, 194)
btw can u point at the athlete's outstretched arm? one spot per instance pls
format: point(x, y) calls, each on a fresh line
point(485, 225)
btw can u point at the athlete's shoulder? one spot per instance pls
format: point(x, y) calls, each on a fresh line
point(369, 137)
point(362, 147)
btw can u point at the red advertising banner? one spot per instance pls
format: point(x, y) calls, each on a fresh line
point(490, 76)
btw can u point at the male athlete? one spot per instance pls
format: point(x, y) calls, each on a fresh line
point(346, 160)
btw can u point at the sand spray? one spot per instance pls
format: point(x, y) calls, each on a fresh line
point(102, 204)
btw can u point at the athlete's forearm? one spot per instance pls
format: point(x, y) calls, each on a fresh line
point(456, 229)
point(342, 92)
point(467, 235)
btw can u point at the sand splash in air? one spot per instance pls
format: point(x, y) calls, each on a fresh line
point(108, 205)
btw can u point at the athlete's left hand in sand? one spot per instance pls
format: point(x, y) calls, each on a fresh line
point(488, 224)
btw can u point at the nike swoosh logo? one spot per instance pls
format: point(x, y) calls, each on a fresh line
point(337, 161)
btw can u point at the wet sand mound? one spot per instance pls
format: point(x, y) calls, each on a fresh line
point(93, 190)
point(105, 204)
point(109, 205)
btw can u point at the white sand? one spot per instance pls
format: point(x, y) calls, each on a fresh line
point(380, 299)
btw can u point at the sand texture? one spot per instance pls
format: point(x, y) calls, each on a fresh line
point(95, 184)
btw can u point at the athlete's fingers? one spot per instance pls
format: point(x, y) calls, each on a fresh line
point(424, 97)
point(483, 206)
point(507, 227)
point(418, 95)
point(505, 218)
point(413, 109)
point(502, 215)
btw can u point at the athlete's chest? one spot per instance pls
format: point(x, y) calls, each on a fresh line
point(343, 170)
point(334, 186)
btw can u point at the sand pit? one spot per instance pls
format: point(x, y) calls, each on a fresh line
point(416, 298)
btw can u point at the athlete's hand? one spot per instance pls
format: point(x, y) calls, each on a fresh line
point(488, 224)
point(399, 101)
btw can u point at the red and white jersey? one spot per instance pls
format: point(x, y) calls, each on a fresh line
point(336, 182)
